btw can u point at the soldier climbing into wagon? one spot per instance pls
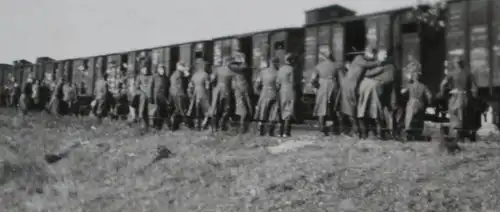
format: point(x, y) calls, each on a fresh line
point(350, 84)
point(383, 93)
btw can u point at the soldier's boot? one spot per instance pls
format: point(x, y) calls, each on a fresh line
point(322, 125)
point(355, 131)
point(215, 123)
point(205, 123)
point(243, 125)
point(271, 129)
point(281, 129)
point(364, 131)
point(187, 122)
point(168, 122)
point(199, 125)
point(288, 128)
point(223, 123)
point(145, 125)
point(381, 133)
point(176, 122)
point(260, 128)
point(473, 136)
point(335, 128)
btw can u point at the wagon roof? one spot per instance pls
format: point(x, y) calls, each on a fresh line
point(336, 6)
point(247, 34)
point(135, 50)
point(363, 16)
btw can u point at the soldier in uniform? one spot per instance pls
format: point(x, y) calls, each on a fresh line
point(350, 84)
point(69, 98)
point(385, 92)
point(324, 80)
point(15, 93)
point(285, 83)
point(243, 107)
point(25, 100)
point(160, 94)
point(56, 98)
point(101, 105)
point(221, 95)
point(267, 109)
point(178, 97)
point(199, 87)
point(144, 88)
point(122, 105)
point(419, 98)
point(463, 92)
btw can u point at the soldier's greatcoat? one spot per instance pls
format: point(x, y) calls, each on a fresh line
point(265, 85)
point(199, 87)
point(463, 88)
point(144, 87)
point(241, 90)
point(350, 84)
point(419, 97)
point(160, 86)
point(178, 97)
point(25, 99)
point(221, 94)
point(325, 78)
point(286, 85)
point(101, 91)
point(56, 99)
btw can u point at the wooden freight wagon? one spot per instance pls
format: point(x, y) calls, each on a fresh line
point(49, 73)
point(189, 52)
point(5, 72)
point(41, 67)
point(21, 70)
point(399, 32)
point(473, 32)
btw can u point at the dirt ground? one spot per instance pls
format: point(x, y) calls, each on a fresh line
point(226, 172)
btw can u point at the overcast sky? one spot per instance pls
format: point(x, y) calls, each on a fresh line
point(76, 28)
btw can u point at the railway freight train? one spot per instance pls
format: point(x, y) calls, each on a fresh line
point(472, 30)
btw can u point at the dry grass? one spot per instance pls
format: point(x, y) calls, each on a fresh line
point(234, 173)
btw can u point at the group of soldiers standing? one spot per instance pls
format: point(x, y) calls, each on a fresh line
point(211, 99)
point(356, 96)
point(362, 95)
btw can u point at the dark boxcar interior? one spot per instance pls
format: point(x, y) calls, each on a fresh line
point(203, 50)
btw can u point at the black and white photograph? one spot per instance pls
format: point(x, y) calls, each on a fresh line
point(250, 106)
